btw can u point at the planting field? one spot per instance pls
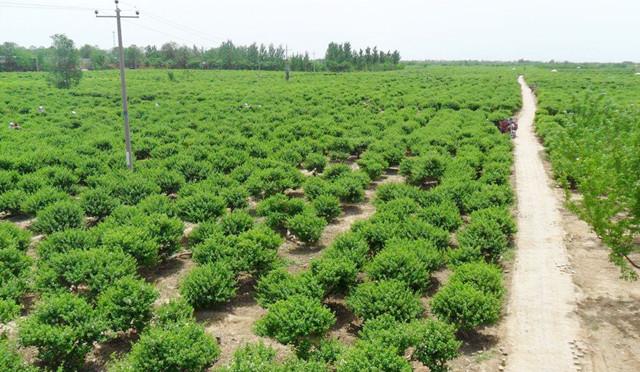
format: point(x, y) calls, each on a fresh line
point(343, 222)
point(590, 123)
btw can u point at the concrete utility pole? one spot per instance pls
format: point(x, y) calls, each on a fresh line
point(123, 83)
point(287, 67)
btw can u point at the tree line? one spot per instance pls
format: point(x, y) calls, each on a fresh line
point(338, 57)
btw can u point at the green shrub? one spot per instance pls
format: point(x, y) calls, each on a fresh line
point(9, 310)
point(501, 216)
point(374, 164)
point(445, 215)
point(252, 358)
point(158, 204)
point(178, 347)
point(482, 276)
point(264, 236)
point(126, 304)
point(98, 202)
point(85, 271)
point(373, 299)
point(349, 189)
point(177, 310)
point(399, 263)
point(201, 207)
point(351, 246)
point(422, 169)
point(11, 201)
point(387, 331)
point(169, 181)
point(131, 188)
point(63, 328)
point(335, 274)
point(134, 241)
point(279, 285)
point(328, 350)
point(484, 236)
point(43, 198)
point(236, 222)
point(253, 257)
point(209, 285)
point(327, 207)
point(306, 226)
point(372, 356)
point(435, 344)
point(335, 171)
point(270, 181)
point(465, 306)
point(59, 216)
point(430, 256)
point(10, 360)
point(315, 186)
point(295, 319)
point(235, 197)
point(204, 231)
point(488, 196)
point(315, 162)
point(11, 236)
point(278, 208)
point(166, 231)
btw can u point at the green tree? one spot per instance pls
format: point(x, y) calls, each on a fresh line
point(65, 71)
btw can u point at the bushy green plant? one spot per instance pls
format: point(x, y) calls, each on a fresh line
point(335, 274)
point(422, 169)
point(306, 226)
point(387, 297)
point(11, 236)
point(315, 186)
point(63, 328)
point(444, 215)
point(483, 276)
point(158, 204)
point(351, 246)
point(98, 202)
point(349, 188)
point(465, 306)
point(177, 310)
point(372, 356)
point(386, 330)
point(236, 222)
point(209, 285)
point(435, 343)
point(177, 347)
point(278, 208)
point(484, 236)
point(9, 310)
point(500, 215)
point(374, 164)
point(200, 207)
point(252, 358)
point(315, 162)
point(43, 198)
point(59, 216)
point(430, 256)
point(279, 285)
point(134, 241)
point(10, 360)
point(11, 201)
point(327, 207)
point(295, 319)
point(87, 272)
point(399, 263)
point(126, 304)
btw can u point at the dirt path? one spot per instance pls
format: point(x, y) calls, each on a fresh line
point(542, 326)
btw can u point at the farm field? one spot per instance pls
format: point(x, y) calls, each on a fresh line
point(333, 222)
point(588, 121)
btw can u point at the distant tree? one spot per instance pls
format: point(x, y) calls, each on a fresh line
point(133, 57)
point(64, 69)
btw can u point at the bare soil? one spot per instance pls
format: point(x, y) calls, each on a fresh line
point(608, 306)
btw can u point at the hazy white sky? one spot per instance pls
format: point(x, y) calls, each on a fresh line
point(576, 30)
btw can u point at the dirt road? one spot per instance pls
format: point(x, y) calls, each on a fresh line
point(542, 326)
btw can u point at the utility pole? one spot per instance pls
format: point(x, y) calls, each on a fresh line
point(123, 83)
point(287, 67)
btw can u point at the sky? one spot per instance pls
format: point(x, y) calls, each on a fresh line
point(573, 30)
